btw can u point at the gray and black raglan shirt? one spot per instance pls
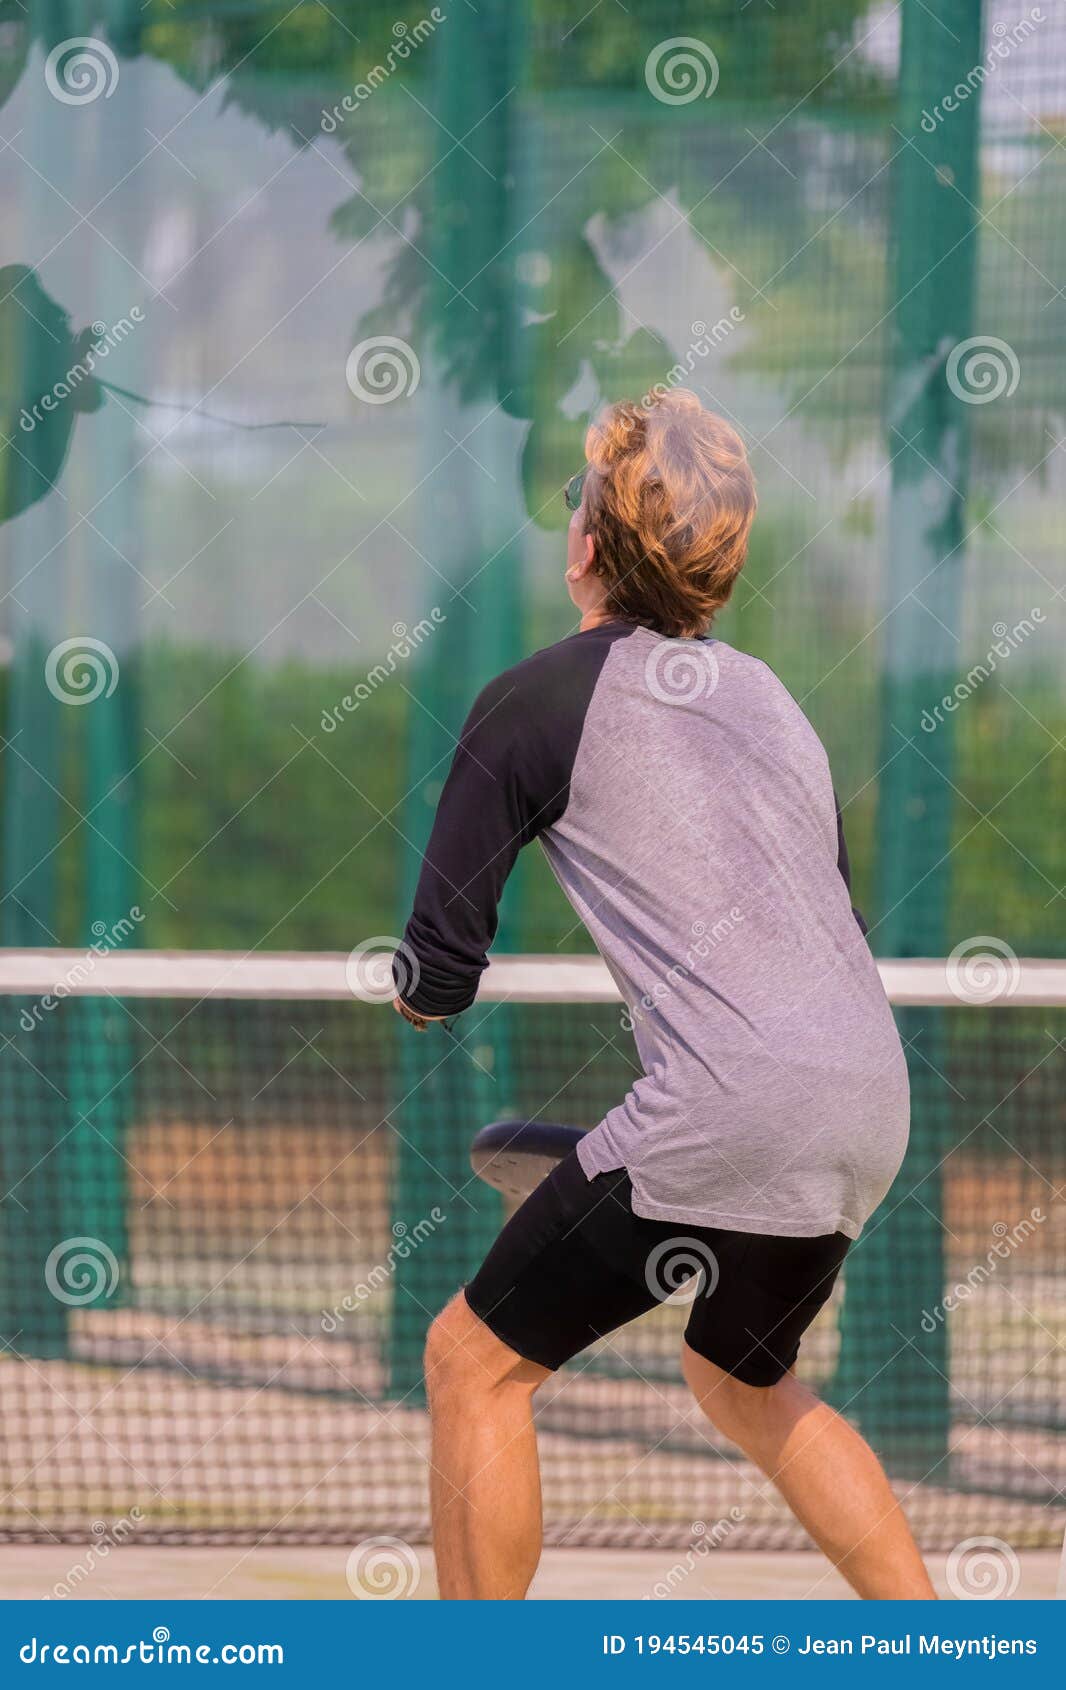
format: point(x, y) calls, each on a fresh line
point(686, 807)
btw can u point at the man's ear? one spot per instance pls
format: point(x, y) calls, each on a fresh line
point(590, 555)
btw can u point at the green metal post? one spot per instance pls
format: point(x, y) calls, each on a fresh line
point(103, 1039)
point(34, 1106)
point(32, 1095)
point(894, 1368)
point(448, 1090)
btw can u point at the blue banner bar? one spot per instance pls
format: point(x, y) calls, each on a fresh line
point(513, 1645)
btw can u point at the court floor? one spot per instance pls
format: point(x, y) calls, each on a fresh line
point(273, 1574)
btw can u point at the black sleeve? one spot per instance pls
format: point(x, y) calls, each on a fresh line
point(844, 866)
point(506, 784)
point(509, 781)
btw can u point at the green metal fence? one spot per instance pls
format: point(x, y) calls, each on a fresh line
point(353, 280)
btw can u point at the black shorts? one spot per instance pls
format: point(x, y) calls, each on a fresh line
point(574, 1262)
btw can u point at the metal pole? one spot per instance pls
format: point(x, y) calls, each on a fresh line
point(894, 1366)
point(449, 1092)
point(32, 1078)
point(102, 1037)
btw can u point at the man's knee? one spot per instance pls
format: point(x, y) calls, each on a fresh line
point(464, 1354)
point(446, 1343)
point(739, 1411)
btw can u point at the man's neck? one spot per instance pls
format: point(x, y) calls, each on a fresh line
point(593, 619)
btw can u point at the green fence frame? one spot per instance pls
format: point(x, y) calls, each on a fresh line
point(449, 1087)
point(896, 1271)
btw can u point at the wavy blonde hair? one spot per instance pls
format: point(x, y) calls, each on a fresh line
point(669, 501)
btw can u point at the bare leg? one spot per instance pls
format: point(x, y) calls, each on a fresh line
point(828, 1475)
point(484, 1473)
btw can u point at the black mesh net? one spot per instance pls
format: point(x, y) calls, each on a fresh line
point(226, 1225)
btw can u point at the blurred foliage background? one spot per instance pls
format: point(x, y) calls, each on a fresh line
point(505, 194)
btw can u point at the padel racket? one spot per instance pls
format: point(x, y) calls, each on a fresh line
point(514, 1156)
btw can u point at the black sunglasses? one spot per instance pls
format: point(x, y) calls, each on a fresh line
point(574, 489)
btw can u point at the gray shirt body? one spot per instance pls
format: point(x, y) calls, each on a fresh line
point(686, 807)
